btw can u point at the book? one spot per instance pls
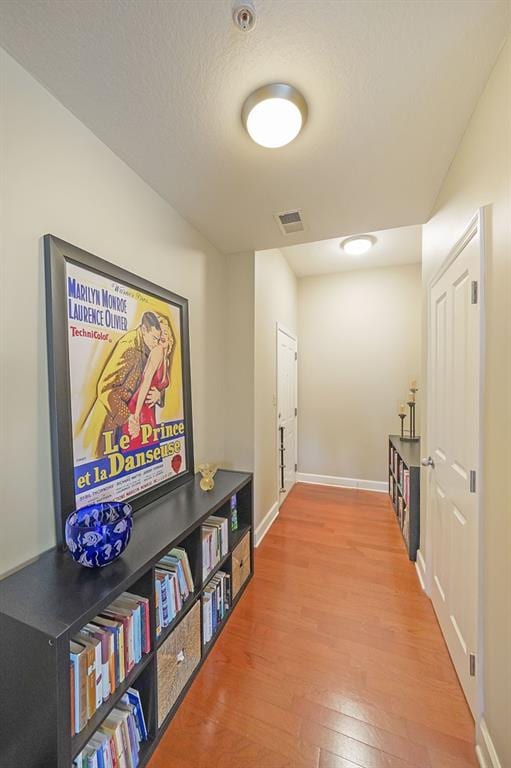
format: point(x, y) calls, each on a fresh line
point(72, 680)
point(183, 557)
point(102, 654)
point(207, 557)
point(117, 742)
point(174, 563)
point(215, 603)
point(173, 586)
point(175, 594)
point(134, 608)
point(215, 542)
point(117, 630)
point(107, 645)
point(134, 698)
point(126, 619)
point(206, 623)
point(163, 578)
point(222, 526)
point(89, 639)
point(78, 656)
point(90, 652)
point(145, 627)
point(158, 606)
point(234, 512)
point(406, 486)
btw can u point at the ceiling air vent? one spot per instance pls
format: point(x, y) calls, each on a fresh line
point(290, 221)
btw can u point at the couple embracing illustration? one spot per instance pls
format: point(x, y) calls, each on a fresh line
point(132, 383)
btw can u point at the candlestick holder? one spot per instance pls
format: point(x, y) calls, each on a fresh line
point(402, 416)
point(412, 437)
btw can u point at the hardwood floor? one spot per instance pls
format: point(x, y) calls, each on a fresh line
point(333, 658)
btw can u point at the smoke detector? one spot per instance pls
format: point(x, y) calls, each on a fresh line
point(290, 221)
point(244, 17)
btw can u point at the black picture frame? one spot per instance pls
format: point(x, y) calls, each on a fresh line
point(57, 253)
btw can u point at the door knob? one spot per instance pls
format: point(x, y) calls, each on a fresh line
point(428, 462)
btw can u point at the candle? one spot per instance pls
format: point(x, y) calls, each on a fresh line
point(402, 408)
point(413, 384)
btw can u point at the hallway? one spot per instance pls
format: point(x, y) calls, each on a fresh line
point(333, 658)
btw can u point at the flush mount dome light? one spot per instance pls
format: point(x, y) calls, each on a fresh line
point(274, 115)
point(358, 245)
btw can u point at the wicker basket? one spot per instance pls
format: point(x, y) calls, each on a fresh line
point(240, 564)
point(177, 658)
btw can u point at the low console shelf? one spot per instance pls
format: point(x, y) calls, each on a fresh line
point(404, 489)
point(45, 603)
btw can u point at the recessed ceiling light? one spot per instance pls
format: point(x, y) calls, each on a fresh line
point(274, 115)
point(358, 245)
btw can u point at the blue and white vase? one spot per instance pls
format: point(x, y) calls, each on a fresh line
point(96, 535)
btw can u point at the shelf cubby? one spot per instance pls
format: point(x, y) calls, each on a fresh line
point(405, 456)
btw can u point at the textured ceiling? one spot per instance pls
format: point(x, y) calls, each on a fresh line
point(390, 87)
point(392, 247)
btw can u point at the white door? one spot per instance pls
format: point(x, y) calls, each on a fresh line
point(286, 411)
point(453, 438)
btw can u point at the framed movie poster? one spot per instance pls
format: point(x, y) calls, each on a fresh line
point(120, 399)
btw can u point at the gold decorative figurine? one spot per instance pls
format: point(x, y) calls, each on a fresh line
point(208, 472)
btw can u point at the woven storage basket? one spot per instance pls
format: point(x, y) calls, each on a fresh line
point(240, 564)
point(177, 658)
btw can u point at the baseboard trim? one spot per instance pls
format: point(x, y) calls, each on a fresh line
point(420, 567)
point(266, 523)
point(485, 749)
point(343, 482)
point(483, 763)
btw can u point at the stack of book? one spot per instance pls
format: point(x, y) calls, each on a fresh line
point(405, 524)
point(116, 744)
point(174, 585)
point(215, 603)
point(393, 457)
point(406, 486)
point(104, 652)
point(401, 473)
point(215, 542)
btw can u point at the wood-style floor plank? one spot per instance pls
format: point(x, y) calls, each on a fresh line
point(332, 659)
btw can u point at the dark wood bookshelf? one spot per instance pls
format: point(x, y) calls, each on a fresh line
point(404, 456)
point(45, 603)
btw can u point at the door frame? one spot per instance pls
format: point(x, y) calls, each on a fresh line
point(476, 225)
point(283, 329)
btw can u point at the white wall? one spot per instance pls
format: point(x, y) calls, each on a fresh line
point(239, 385)
point(275, 301)
point(359, 336)
point(481, 175)
point(58, 177)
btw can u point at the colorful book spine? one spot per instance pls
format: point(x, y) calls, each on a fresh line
point(102, 653)
point(173, 586)
point(215, 604)
point(117, 742)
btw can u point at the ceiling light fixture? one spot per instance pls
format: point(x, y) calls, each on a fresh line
point(274, 115)
point(358, 245)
